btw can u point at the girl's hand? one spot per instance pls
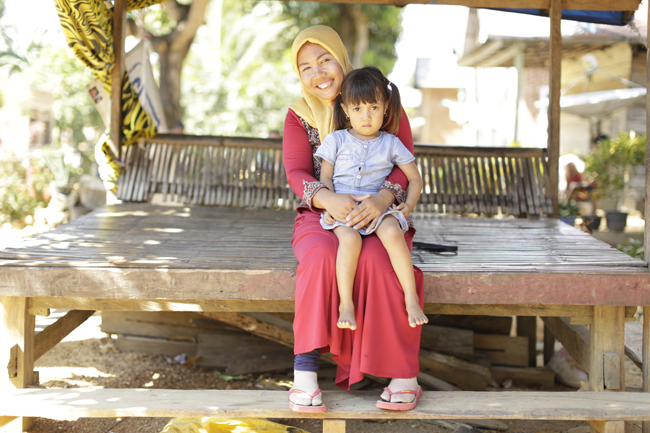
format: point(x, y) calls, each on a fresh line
point(328, 218)
point(370, 208)
point(404, 208)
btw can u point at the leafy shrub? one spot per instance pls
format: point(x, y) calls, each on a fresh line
point(24, 187)
point(609, 164)
point(632, 247)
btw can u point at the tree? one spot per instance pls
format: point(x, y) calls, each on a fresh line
point(173, 28)
point(239, 79)
point(369, 32)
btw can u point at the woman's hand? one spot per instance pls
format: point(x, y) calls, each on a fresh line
point(367, 212)
point(327, 217)
point(339, 206)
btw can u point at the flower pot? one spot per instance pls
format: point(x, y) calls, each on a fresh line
point(593, 222)
point(616, 221)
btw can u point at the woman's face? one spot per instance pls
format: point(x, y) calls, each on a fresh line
point(320, 73)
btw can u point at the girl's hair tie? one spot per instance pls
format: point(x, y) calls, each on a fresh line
point(388, 84)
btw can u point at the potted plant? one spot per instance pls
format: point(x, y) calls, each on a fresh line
point(610, 165)
point(568, 212)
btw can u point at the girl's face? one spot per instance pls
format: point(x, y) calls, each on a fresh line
point(366, 118)
point(320, 73)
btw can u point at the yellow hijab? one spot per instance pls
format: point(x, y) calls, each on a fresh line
point(315, 111)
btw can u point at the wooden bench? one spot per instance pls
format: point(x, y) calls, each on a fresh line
point(142, 257)
point(248, 172)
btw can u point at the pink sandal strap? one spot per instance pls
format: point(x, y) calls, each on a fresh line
point(408, 391)
point(292, 390)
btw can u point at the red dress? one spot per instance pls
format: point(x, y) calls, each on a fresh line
point(383, 344)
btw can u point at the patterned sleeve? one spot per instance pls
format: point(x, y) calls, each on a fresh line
point(327, 150)
point(299, 161)
point(401, 155)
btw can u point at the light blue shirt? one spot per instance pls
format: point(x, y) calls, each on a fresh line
point(361, 167)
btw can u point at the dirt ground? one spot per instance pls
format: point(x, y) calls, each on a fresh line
point(88, 358)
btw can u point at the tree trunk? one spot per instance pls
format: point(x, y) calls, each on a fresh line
point(362, 35)
point(171, 65)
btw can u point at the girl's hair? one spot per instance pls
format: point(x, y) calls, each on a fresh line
point(368, 85)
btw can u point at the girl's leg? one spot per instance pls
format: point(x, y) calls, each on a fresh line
point(305, 378)
point(391, 236)
point(347, 258)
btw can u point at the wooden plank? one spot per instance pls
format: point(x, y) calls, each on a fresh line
point(154, 346)
point(451, 341)
point(57, 331)
point(542, 376)
point(549, 345)
point(242, 354)
point(503, 349)
point(334, 426)
point(606, 335)
point(467, 318)
point(555, 72)
point(435, 383)
point(634, 342)
point(611, 370)
point(119, 33)
point(527, 327)
point(88, 402)
point(574, 338)
point(461, 373)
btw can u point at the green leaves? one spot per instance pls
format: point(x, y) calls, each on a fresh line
point(610, 163)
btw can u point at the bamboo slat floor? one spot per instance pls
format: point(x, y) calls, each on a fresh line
point(162, 251)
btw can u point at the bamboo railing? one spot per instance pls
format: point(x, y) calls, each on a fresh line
point(249, 172)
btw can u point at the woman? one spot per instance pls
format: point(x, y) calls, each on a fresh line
point(383, 343)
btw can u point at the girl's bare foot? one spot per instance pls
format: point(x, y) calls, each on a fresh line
point(346, 317)
point(415, 313)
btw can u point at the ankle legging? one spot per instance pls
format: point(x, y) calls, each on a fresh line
point(307, 361)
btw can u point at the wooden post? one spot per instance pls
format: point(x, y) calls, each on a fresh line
point(645, 357)
point(606, 341)
point(527, 327)
point(555, 74)
point(549, 345)
point(119, 34)
point(16, 353)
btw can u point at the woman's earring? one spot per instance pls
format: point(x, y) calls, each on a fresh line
point(385, 113)
point(348, 117)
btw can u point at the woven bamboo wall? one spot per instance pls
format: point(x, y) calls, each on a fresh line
point(248, 172)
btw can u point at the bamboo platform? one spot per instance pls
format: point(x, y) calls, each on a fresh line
point(138, 251)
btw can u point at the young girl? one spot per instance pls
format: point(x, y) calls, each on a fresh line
point(357, 161)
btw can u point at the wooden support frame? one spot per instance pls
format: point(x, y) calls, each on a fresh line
point(555, 74)
point(57, 331)
point(16, 352)
point(117, 75)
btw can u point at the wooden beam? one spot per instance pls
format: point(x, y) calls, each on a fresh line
point(595, 5)
point(287, 306)
point(555, 79)
point(574, 338)
point(463, 374)
point(57, 331)
point(543, 376)
point(119, 34)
